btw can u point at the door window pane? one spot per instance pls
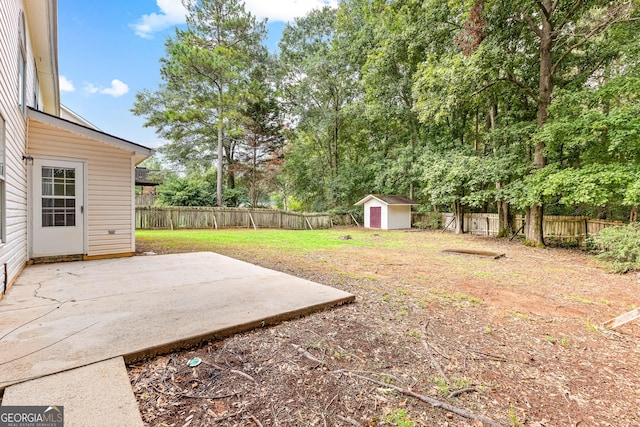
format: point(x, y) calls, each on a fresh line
point(58, 201)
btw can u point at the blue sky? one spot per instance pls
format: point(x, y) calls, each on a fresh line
point(110, 50)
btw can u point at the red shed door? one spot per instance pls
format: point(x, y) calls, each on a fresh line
point(375, 216)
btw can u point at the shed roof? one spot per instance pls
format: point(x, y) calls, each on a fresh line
point(388, 200)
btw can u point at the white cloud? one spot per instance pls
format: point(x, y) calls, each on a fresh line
point(90, 88)
point(65, 84)
point(171, 13)
point(118, 88)
point(285, 10)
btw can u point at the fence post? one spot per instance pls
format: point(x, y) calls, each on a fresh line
point(586, 232)
point(252, 221)
point(453, 218)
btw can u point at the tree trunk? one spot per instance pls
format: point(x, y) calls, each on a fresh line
point(535, 235)
point(220, 149)
point(533, 226)
point(505, 219)
point(633, 217)
point(459, 212)
point(336, 130)
point(254, 177)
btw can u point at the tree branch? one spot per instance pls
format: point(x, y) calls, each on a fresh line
point(547, 13)
point(572, 11)
point(532, 25)
point(427, 399)
point(485, 87)
point(602, 26)
point(525, 88)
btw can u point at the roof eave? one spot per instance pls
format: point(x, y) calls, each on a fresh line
point(366, 199)
point(139, 151)
point(373, 196)
point(42, 25)
point(52, 17)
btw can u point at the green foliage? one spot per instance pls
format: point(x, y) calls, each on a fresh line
point(433, 221)
point(188, 191)
point(620, 246)
point(400, 418)
point(235, 197)
point(441, 101)
point(206, 71)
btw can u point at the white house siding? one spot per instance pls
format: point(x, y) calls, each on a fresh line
point(399, 217)
point(13, 251)
point(110, 184)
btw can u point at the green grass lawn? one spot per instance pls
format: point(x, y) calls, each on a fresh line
point(287, 240)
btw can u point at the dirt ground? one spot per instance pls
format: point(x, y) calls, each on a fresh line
point(515, 339)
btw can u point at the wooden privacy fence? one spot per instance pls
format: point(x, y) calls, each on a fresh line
point(564, 228)
point(145, 199)
point(174, 217)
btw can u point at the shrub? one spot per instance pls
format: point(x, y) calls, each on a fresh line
point(429, 220)
point(620, 246)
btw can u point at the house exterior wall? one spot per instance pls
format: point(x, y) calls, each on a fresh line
point(69, 115)
point(13, 250)
point(399, 217)
point(109, 188)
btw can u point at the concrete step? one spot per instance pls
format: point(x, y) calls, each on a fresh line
point(96, 395)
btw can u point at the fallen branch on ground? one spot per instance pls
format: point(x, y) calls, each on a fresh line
point(435, 362)
point(242, 374)
point(192, 396)
point(255, 420)
point(489, 356)
point(456, 393)
point(427, 399)
point(348, 420)
point(306, 354)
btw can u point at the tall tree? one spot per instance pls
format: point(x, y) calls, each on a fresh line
point(512, 57)
point(205, 73)
point(261, 151)
point(560, 40)
point(317, 83)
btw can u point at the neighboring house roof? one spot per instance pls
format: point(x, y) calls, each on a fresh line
point(388, 200)
point(67, 114)
point(141, 152)
point(42, 18)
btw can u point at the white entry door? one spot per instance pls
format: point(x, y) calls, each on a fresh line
point(58, 208)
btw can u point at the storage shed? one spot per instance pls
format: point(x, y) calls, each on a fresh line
point(387, 212)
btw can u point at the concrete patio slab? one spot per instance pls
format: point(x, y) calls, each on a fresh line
point(95, 395)
point(62, 316)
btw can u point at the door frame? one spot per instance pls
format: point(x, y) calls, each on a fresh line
point(378, 209)
point(31, 208)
